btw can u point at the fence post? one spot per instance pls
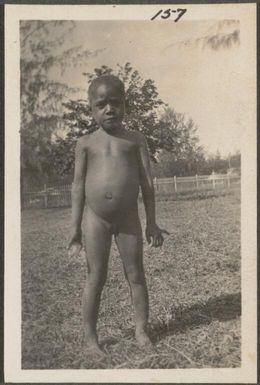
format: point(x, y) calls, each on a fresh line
point(228, 180)
point(213, 179)
point(197, 182)
point(175, 183)
point(45, 196)
point(155, 184)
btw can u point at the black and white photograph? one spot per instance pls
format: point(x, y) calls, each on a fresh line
point(130, 193)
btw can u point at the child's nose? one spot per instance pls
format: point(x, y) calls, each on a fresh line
point(110, 108)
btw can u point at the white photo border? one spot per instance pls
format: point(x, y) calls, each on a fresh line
point(247, 373)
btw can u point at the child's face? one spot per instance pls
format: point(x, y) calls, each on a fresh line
point(107, 105)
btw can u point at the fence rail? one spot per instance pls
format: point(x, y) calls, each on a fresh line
point(60, 195)
point(192, 183)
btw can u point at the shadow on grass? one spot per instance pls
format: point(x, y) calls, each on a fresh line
point(222, 308)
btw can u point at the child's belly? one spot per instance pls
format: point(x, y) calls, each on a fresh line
point(112, 189)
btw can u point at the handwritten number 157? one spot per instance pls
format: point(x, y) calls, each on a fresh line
point(168, 12)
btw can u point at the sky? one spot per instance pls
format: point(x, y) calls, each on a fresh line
point(204, 84)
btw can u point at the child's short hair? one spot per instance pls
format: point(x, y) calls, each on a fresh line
point(112, 79)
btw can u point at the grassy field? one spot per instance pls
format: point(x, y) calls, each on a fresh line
point(193, 282)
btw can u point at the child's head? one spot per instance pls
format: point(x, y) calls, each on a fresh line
point(107, 101)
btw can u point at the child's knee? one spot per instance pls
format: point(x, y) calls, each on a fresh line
point(97, 279)
point(135, 276)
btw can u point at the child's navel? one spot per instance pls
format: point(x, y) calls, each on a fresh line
point(109, 195)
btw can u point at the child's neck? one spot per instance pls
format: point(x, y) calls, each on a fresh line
point(113, 130)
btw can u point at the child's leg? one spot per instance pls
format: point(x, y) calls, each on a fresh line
point(98, 241)
point(130, 245)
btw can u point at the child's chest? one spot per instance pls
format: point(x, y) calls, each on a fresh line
point(115, 147)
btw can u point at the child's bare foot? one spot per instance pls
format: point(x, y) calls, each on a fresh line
point(143, 340)
point(94, 351)
point(92, 347)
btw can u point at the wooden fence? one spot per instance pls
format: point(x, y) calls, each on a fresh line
point(193, 183)
point(60, 195)
point(46, 197)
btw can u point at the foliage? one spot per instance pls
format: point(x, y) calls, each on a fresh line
point(182, 154)
point(43, 50)
point(219, 164)
point(223, 34)
point(194, 162)
point(216, 163)
point(142, 111)
point(163, 128)
point(235, 160)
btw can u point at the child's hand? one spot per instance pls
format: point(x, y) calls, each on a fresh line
point(154, 235)
point(75, 243)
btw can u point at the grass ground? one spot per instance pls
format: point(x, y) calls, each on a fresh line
point(193, 282)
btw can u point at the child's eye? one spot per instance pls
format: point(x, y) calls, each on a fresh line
point(100, 105)
point(115, 102)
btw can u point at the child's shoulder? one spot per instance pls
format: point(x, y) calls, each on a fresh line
point(82, 142)
point(138, 137)
point(85, 140)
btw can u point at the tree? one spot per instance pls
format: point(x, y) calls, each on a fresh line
point(171, 138)
point(182, 154)
point(223, 34)
point(217, 163)
point(143, 107)
point(235, 160)
point(42, 50)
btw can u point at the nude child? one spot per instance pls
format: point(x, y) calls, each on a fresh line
point(110, 165)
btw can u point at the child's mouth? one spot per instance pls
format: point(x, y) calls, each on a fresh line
point(110, 119)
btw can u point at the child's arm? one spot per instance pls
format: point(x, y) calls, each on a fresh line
point(78, 192)
point(146, 182)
